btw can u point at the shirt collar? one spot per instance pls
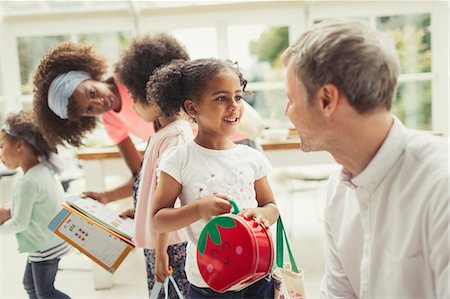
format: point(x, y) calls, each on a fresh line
point(389, 153)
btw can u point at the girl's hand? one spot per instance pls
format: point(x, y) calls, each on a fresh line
point(162, 268)
point(259, 214)
point(127, 214)
point(213, 205)
point(98, 196)
point(5, 214)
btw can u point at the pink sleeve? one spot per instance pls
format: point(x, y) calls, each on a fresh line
point(114, 127)
point(172, 141)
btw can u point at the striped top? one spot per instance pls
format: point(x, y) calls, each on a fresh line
point(55, 252)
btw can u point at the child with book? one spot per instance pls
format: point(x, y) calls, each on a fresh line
point(36, 200)
point(165, 253)
point(206, 172)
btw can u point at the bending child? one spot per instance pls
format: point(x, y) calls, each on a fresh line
point(70, 92)
point(161, 250)
point(36, 201)
point(206, 172)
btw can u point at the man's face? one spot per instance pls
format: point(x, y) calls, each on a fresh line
point(304, 116)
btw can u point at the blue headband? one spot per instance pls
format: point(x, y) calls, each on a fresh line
point(62, 88)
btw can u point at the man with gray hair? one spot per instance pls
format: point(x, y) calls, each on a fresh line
point(386, 215)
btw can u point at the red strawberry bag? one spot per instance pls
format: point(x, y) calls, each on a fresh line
point(234, 252)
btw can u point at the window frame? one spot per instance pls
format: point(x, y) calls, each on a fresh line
point(296, 15)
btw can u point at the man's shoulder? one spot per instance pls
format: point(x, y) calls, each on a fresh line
point(426, 149)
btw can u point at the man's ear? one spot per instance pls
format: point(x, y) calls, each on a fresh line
point(191, 108)
point(328, 96)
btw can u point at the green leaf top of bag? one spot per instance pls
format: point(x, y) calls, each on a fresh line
point(212, 231)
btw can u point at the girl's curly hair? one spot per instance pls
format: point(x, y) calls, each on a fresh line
point(65, 57)
point(143, 55)
point(171, 84)
point(22, 125)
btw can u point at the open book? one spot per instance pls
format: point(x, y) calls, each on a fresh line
point(96, 230)
point(103, 214)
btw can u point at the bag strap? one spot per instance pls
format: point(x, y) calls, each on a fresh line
point(155, 290)
point(158, 285)
point(281, 238)
point(166, 287)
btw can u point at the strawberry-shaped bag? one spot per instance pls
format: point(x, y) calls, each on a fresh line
point(234, 252)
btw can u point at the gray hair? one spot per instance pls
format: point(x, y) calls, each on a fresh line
point(362, 63)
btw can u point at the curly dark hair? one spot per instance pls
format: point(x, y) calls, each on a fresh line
point(143, 55)
point(22, 125)
point(65, 57)
point(171, 84)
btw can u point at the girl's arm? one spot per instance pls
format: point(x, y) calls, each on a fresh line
point(166, 218)
point(266, 213)
point(5, 214)
point(23, 209)
point(162, 267)
point(133, 159)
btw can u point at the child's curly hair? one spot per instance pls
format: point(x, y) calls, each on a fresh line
point(142, 57)
point(65, 57)
point(22, 125)
point(171, 84)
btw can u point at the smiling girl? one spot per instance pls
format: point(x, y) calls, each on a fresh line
point(206, 172)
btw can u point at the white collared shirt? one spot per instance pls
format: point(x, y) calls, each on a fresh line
point(387, 228)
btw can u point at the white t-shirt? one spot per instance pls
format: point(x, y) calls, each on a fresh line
point(203, 172)
point(387, 228)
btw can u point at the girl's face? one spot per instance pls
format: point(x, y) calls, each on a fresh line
point(220, 108)
point(148, 112)
point(9, 152)
point(95, 97)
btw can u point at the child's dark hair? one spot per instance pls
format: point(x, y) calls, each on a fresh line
point(22, 125)
point(65, 57)
point(171, 84)
point(144, 54)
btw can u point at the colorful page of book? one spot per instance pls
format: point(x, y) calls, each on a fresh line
point(103, 214)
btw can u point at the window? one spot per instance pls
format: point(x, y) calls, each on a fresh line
point(412, 37)
point(207, 47)
point(258, 49)
point(109, 44)
point(31, 50)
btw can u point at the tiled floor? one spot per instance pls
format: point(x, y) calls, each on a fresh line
point(300, 212)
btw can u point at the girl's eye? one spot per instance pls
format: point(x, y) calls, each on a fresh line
point(238, 98)
point(222, 98)
point(92, 93)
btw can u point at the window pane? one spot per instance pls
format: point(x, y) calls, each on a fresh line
point(31, 50)
point(258, 49)
point(413, 104)
point(109, 44)
point(412, 37)
point(200, 42)
point(271, 104)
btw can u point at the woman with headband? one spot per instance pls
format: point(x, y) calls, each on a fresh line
point(69, 92)
point(36, 201)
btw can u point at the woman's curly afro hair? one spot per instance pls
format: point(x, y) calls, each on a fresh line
point(23, 126)
point(143, 55)
point(65, 57)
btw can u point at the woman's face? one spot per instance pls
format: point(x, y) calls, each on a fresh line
point(95, 97)
point(9, 155)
